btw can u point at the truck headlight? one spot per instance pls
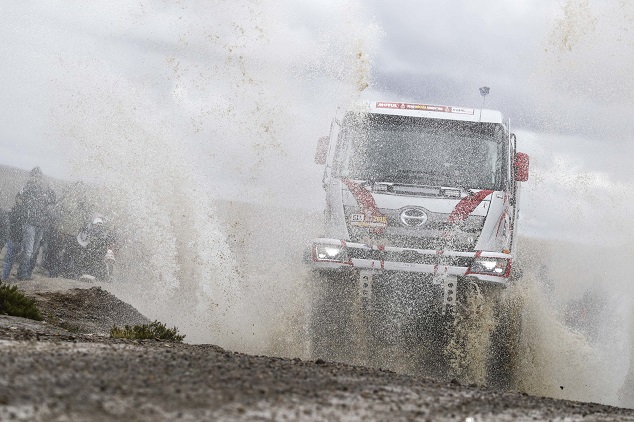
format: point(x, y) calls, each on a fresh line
point(490, 266)
point(324, 252)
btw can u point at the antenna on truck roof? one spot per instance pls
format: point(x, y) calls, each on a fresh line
point(484, 91)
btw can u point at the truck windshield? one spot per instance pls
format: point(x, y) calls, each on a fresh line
point(412, 150)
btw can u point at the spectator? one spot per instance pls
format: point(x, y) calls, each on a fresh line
point(4, 228)
point(36, 196)
point(69, 216)
point(97, 241)
point(50, 240)
point(17, 216)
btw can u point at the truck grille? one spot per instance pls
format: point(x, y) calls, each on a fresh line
point(410, 257)
point(459, 243)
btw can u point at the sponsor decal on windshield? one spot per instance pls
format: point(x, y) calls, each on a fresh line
point(424, 107)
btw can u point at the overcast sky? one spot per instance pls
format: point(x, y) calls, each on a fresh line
point(238, 92)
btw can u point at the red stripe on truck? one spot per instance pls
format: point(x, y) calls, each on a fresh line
point(363, 197)
point(366, 201)
point(466, 205)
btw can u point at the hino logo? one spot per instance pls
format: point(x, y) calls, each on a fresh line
point(413, 217)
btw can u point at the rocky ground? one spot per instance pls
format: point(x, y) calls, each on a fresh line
point(68, 369)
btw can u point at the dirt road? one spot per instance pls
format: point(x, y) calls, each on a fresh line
point(76, 373)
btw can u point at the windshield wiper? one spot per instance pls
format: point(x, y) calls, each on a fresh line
point(414, 176)
point(468, 191)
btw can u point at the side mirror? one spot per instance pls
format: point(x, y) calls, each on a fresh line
point(322, 150)
point(521, 166)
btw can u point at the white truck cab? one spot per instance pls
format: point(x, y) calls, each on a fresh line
point(423, 189)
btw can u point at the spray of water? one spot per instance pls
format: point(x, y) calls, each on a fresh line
point(469, 346)
point(226, 106)
point(577, 288)
point(556, 360)
point(222, 108)
point(174, 258)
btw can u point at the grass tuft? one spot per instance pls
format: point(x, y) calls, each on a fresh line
point(154, 330)
point(14, 303)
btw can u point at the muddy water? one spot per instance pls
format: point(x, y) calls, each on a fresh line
point(575, 337)
point(238, 103)
point(225, 108)
point(577, 289)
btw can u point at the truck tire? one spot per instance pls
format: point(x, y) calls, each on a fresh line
point(436, 332)
point(469, 333)
point(484, 336)
point(505, 342)
point(331, 326)
point(403, 324)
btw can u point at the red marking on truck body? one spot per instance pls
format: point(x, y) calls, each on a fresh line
point(466, 205)
point(366, 201)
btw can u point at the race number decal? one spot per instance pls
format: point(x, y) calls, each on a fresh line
point(374, 221)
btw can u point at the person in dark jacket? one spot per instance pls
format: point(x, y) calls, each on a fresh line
point(97, 242)
point(16, 222)
point(4, 228)
point(37, 196)
point(69, 216)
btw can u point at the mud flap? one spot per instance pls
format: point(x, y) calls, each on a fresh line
point(363, 319)
point(365, 290)
point(331, 321)
point(450, 291)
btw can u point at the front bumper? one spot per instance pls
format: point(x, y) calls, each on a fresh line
point(332, 254)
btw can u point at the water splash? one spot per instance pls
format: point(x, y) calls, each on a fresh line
point(469, 346)
point(557, 361)
point(216, 110)
point(173, 249)
point(226, 102)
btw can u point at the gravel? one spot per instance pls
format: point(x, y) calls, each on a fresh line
point(68, 369)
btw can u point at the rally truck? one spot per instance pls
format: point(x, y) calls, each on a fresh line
point(421, 214)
